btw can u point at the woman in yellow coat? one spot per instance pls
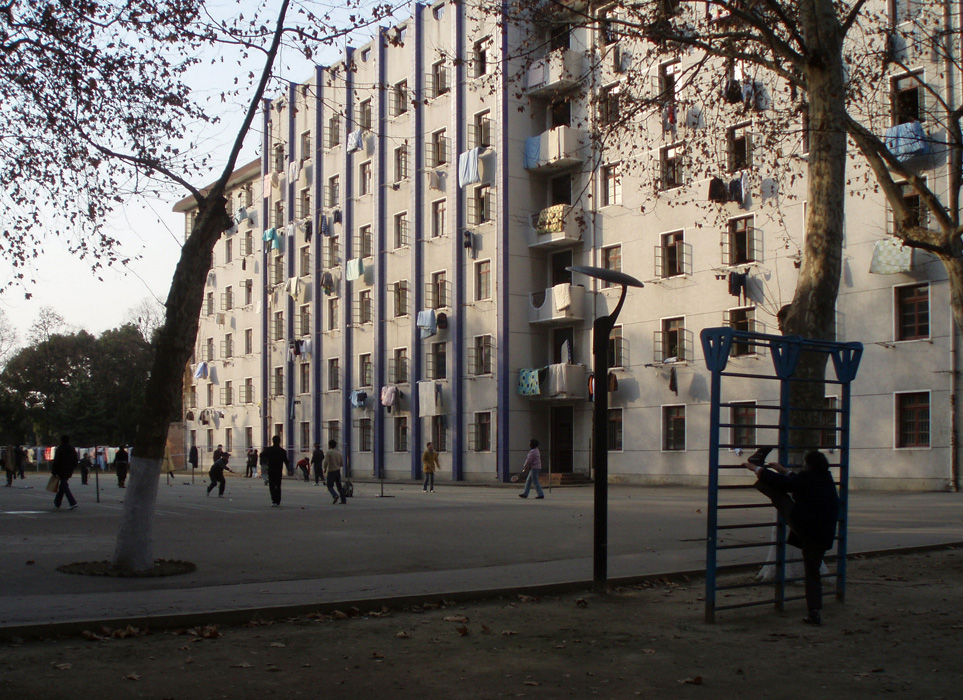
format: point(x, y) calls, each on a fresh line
point(429, 463)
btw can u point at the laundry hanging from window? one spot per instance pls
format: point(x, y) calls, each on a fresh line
point(468, 167)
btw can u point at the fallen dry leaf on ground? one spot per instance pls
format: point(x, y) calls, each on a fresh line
point(131, 677)
point(581, 603)
point(462, 631)
point(455, 618)
point(403, 635)
point(695, 680)
point(62, 667)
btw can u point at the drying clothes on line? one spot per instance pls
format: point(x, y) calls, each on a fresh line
point(389, 394)
point(354, 269)
point(733, 91)
point(266, 182)
point(293, 287)
point(429, 398)
point(468, 167)
point(718, 192)
point(295, 348)
point(562, 294)
point(294, 170)
point(325, 227)
point(270, 235)
point(673, 382)
point(739, 189)
point(528, 383)
point(557, 380)
point(613, 384)
point(533, 151)
point(748, 94)
point(551, 219)
point(308, 230)
point(566, 353)
point(669, 116)
point(907, 140)
point(739, 285)
point(358, 398)
point(336, 216)
point(220, 319)
point(427, 322)
point(306, 346)
point(201, 371)
point(355, 141)
point(290, 229)
point(436, 180)
point(240, 215)
point(890, 257)
point(327, 283)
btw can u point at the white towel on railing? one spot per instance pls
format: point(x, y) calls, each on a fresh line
point(562, 294)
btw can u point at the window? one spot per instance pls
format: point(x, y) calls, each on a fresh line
point(279, 325)
point(741, 320)
point(436, 294)
point(399, 366)
point(480, 131)
point(437, 154)
point(333, 194)
point(671, 255)
point(365, 370)
point(209, 350)
point(559, 36)
point(439, 434)
point(908, 103)
point(227, 299)
point(304, 204)
point(334, 374)
point(401, 298)
point(609, 26)
point(303, 320)
point(334, 251)
point(248, 437)
point(304, 261)
point(333, 313)
point(913, 312)
point(210, 394)
point(334, 430)
point(401, 230)
point(742, 424)
point(277, 389)
point(480, 205)
point(480, 57)
point(672, 167)
point(209, 303)
point(247, 244)
point(365, 435)
point(828, 436)
point(670, 342)
point(668, 83)
point(615, 430)
point(279, 158)
point(437, 361)
point(210, 440)
point(611, 185)
point(248, 286)
point(741, 244)
point(483, 280)
point(438, 80)
point(248, 341)
point(399, 98)
point(480, 433)
point(364, 178)
point(673, 428)
point(192, 397)
point(228, 251)
point(913, 419)
point(365, 241)
point(306, 145)
point(401, 434)
point(917, 214)
point(611, 260)
point(227, 349)
point(739, 146)
point(277, 269)
point(247, 391)
point(364, 306)
point(228, 439)
point(279, 431)
point(227, 394)
point(401, 163)
point(616, 348)
point(334, 131)
point(438, 215)
point(610, 103)
point(305, 434)
point(364, 114)
point(482, 361)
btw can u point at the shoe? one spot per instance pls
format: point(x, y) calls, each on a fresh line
point(220, 495)
point(275, 505)
point(336, 499)
point(431, 491)
point(538, 497)
point(758, 457)
point(73, 506)
point(522, 495)
point(814, 618)
point(344, 503)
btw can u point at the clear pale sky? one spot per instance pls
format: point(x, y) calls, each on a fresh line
point(150, 233)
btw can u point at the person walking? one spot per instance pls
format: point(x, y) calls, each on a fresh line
point(192, 458)
point(276, 459)
point(429, 464)
point(317, 459)
point(20, 460)
point(85, 466)
point(121, 465)
point(333, 461)
point(533, 463)
point(9, 464)
point(811, 512)
point(168, 461)
point(64, 463)
point(251, 465)
point(217, 475)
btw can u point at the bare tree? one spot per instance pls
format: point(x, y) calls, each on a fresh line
point(8, 338)
point(147, 317)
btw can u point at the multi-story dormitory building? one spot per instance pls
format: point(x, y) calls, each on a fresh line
point(410, 221)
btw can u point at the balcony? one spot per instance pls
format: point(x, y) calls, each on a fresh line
point(556, 227)
point(556, 149)
point(556, 306)
point(558, 71)
point(561, 382)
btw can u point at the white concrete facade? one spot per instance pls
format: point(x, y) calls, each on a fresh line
point(491, 256)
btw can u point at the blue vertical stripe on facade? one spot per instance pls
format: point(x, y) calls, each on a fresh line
point(348, 287)
point(502, 318)
point(317, 158)
point(457, 324)
point(379, 353)
point(290, 251)
point(265, 199)
point(418, 211)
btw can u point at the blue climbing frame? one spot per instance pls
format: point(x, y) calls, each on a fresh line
point(717, 344)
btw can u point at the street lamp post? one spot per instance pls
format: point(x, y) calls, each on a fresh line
point(601, 331)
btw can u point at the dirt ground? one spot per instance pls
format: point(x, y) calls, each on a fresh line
point(898, 634)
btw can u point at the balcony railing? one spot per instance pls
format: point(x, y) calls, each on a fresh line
point(558, 305)
point(556, 149)
point(561, 382)
point(556, 227)
point(559, 70)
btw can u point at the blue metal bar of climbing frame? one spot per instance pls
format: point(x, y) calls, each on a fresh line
point(712, 518)
point(843, 527)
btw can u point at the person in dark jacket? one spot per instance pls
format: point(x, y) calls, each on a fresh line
point(192, 457)
point(64, 463)
point(217, 475)
point(811, 511)
point(85, 467)
point(275, 458)
point(121, 465)
point(317, 459)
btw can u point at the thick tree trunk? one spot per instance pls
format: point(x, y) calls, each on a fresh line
point(134, 549)
point(812, 313)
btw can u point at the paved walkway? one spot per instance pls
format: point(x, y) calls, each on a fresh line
point(461, 540)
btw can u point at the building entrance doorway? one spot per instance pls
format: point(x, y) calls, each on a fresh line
point(562, 440)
